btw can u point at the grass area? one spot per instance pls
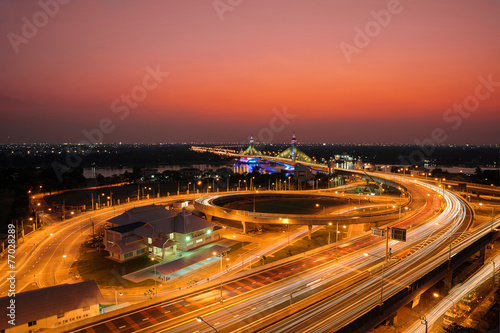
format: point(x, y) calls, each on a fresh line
point(95, 266)
point(292, 205)
point(318, 238)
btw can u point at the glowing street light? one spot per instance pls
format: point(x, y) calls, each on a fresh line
point(116, 297)
point(154, 269)
point(220, 256)
point(200, 319)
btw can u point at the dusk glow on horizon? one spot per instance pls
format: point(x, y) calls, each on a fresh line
point(368, 71)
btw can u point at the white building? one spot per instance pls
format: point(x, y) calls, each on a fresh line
point(153, 230)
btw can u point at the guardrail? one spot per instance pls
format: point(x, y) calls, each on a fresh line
point(273, 218)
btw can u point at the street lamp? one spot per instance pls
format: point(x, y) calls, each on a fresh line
point(317, 205)
point(493, 273)
point(199, 319)
point(423, 321)
point(446, 299)
point(154, 269)
point(337, 241)
point(288, 225)
point(220, 256)
point(492, 214)
point(382, 280)
point(330, 224)
point(116, 297)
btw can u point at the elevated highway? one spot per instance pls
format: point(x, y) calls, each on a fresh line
point(210, 207)
point(256, 297)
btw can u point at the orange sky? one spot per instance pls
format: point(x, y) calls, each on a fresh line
point(226, 76)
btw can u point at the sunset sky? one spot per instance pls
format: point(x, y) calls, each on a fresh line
point(229, 66)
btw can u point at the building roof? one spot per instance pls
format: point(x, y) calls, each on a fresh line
point(163, 243)
point(47, 302)
point(183, 223)
point(121, 247)
point(142, 214)
point(122, 229)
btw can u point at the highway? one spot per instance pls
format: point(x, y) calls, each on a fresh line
point(434, 315)
point(41, 259)
point(336, 311)
point(210, 207)
point(264, 292)
point(352, 282)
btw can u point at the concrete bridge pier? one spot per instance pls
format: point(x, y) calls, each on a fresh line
point(355, 230)
point(448, 281)
point(482, 255)
point(309, 231)
point(243, 223)
point(415, 301)
point(209, 217)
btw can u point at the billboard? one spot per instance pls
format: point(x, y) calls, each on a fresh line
point(378, 232)
point(398, 234)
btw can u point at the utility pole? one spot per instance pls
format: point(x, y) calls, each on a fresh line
point(337, 242)
point(387, 244)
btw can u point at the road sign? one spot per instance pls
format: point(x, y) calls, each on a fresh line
point(398, 234)
point(378, 232)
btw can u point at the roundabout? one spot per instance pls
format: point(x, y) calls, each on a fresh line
point(304, 208)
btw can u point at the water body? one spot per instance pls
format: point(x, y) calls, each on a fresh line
point(108, 172)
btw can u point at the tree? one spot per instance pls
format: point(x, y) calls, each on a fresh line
point(479, 172)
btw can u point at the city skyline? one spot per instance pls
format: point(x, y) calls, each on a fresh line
point(375, 72)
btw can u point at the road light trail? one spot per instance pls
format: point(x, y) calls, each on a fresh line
point(455, 295)
point(338, 310)
point(345, 268)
